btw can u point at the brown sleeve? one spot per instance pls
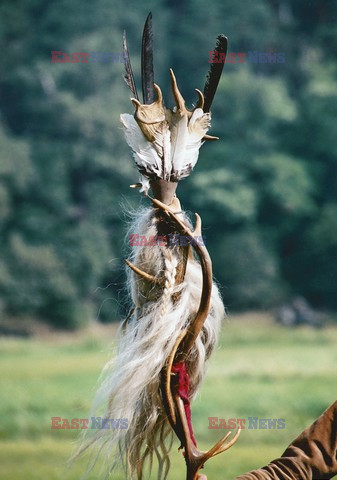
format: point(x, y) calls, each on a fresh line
point(311, 456)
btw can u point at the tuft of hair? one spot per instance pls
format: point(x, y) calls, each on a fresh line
point(130, 387)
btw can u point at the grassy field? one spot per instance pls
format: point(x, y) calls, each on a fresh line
point(260, 369)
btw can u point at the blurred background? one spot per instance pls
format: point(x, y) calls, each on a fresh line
point(266, 193)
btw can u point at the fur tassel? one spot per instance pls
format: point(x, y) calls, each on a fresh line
point(131, 388)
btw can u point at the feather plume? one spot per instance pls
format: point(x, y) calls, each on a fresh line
point(147, 61)
point(186, 141)
point(214, 73)
point(166, 143)
point(128, 76)
point(179, 138)
point(144, 152)
point(145, 184)
point(198, 127)
point(162, 144)
point(174, 150)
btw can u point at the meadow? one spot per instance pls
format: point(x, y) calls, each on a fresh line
point(260, 369)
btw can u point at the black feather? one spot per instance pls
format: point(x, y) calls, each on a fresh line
point(147, 61)
point(214, 73)
point(128, 76)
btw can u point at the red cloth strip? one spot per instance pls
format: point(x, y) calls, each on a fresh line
point(183, 391)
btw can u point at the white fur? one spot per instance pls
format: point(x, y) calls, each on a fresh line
point(131, 386)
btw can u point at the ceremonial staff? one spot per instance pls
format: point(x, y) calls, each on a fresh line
point(165, 145)
point(177, 311)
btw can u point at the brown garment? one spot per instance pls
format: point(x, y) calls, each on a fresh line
point(311, 456)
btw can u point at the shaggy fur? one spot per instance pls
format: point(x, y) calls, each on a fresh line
point(131, 387)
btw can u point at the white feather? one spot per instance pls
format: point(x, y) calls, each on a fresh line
point(179, 136)
point(144, 152)
point(198, 127)
point(188, 140)
point(175, 149)
point(145, 184)
point(162, 144)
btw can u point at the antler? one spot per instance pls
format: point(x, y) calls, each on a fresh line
point(206, 267)
point(143, 274)
point(194, 458)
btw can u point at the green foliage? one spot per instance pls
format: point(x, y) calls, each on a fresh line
point(250, 272)
point(267, 186)
point(313, 263)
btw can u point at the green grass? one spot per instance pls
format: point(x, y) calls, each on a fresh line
point(260, 369)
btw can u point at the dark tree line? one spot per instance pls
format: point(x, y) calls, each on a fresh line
point(266, 191)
